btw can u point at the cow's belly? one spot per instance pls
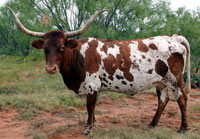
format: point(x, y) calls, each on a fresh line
point(102, 81)
point(142, 80)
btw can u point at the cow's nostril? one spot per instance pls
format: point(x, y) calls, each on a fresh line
point(51, 69)
point(54, 69)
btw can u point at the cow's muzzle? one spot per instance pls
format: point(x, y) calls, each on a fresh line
point(52, 69)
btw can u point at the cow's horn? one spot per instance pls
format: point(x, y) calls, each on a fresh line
point(23, 29)
point(85, 28)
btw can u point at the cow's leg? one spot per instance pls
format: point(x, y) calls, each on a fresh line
point(181, 98)
point(163, 99)
point(91, 101)
point(182, 102)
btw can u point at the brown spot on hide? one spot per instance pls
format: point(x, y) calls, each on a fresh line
point(105, 80)
point(161, 68)
point(123, 82)
point(110, 77)
point(108, 63)
point(149, 60)
point(170, 48)
point(104, 48)
point(135, 65)
point(125, 66)
point(128, 76)
point(142, 47)
point(176, 64)
point(103, 85)
point(100, 78)
point(143, 56)
point(118, 77)
point(150, 71)
point(92, 58)
point(121, 62)
point(153, 46)
point(116, 87)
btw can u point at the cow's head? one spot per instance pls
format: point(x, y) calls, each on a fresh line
point(54, 45)
point(54, 42)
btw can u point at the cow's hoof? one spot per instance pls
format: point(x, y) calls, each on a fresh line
point(182, 131)
point(150, 126)
point(87, 130)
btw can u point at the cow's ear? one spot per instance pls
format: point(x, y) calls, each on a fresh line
point(71, 43)
point(38, 44)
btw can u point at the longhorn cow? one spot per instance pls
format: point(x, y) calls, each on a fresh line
point(92, 65)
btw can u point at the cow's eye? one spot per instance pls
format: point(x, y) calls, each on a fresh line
point(62, 48)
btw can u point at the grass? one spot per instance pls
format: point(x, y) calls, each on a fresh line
point(113, 95)
point(26, 87)
point(196, 108)
point(141, 133)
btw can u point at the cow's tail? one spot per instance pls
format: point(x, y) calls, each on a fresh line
point(181, 39)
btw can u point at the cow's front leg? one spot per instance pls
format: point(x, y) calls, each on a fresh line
point(91, 101)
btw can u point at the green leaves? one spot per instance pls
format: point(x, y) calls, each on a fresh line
point(128, 19)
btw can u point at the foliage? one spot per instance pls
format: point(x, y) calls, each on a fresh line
point(195, 79)
point(128, 19)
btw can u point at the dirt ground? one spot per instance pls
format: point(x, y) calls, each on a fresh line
point(127, 112)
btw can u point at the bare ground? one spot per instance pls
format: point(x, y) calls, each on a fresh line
point(124, 112)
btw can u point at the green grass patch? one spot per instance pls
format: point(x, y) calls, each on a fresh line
point(13, 70)
point(113, 95)
point(26, 87)
point(36, 135)
point(197, 94)
point(196, 108)
point(40, 101)
point(141, 133)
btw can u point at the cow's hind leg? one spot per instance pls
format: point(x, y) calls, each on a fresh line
point(182, 102)
point(163, 99)
point(91, 102)
point(181, 98)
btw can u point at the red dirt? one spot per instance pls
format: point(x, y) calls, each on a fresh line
point(11, 129)
point(125, 112)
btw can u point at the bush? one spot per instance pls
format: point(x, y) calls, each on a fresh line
point(195, 79)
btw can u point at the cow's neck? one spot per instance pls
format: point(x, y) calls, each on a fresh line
point(72, 71)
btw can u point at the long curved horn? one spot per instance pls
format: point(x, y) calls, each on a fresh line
point(85, 28)
point(23, 29)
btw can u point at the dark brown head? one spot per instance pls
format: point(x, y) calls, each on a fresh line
point(54, 43)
